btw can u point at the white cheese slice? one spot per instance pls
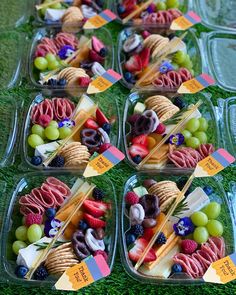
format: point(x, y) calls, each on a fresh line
point(44, 150)
point(85, 103)
point(54, 14)
point(140, 191)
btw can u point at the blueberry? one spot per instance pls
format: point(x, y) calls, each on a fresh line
point(128, 76)
point(107, 127)
point(168, 140)
point(130, 239)
point(100, 3)
point(208, 190)
point(176, 268)
point(86, 65)
point(83, 225)
point(137, 159)
point(61, 82)
point(120, 9)
point(21, 271)
point(51, 213)
point(36, 160)
point(52, 82)
point(179, 102)
point(103, 52)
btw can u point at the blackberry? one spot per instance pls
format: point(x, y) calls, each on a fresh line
point(161, 239)
point(179, 103)
point(61, 82)
point(107, 127)
point(103, 52)
point(58, 161)
point(137, 230)
point(98, 194)
point(41, 273)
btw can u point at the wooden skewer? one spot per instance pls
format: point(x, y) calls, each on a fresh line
point(173, 131)
point(138, 10)
point(171, 211)
point(45, 5)
point(61, 230)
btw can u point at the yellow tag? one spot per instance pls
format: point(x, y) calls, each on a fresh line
point(100, 20)
point(196, 84)
point(186, 21)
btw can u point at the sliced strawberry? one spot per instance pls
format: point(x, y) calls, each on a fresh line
point(148, 233)
point(97, 44)
point(104, 147)
point(94, 56)
point(134, 64)
point(139, 246)
point(141, 139)
point(138, 150)
point(94, 222)
point(130, 6)
point(101, 118)
point(95, 208)
point(91, 124)
point(145, 57)
point(84, 81)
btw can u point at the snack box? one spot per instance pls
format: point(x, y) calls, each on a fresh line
point(139, 48)
point(51, 118)
point(168, 262)
point(51, 49)
point(75, 11)
point(29, 183)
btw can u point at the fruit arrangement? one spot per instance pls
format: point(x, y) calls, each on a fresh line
point(160, 14)
point(150, 119)
point(44, 210)
point(142, 48)
point(54, 67)
point(191, 239)
point(53, 120)
point(72, 11)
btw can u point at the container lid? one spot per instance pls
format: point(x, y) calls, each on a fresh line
point(217, 14)
point(11, 53)
point(8, 129)
point(220, 54)
point(16, 12)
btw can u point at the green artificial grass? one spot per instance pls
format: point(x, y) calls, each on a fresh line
point(118, 282)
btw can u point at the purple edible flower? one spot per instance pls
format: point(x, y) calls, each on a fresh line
point(151, 8)
point(165, 67)
point(52, 227)
point(66, 51)
point(66, 123)
point(176, 139)
point(184, 227)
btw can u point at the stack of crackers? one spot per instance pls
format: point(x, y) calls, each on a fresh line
point(71, 20)
point(71, 74)
point(157, 44)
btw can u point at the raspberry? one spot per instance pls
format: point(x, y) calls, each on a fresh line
point(148, 234)
point(131, 198)
point(84, 81)
point(188, 246)
point(161, 128)
point(145, 34)
point(103, 253)
point(44, 120)
point(33, 218)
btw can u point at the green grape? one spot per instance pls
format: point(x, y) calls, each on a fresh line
point(200, 235)
point(192, 72)
point(17, 245)
point(50, 57)
point(64, 132)
point(38, 129)
point(41, 63)
point(161, 6)
point(175, 66)
point(212, 210)
point(192, 125)
point(179, 57)
point(53, 123)
point(215, 228)
point(199, 218)
point(203, 124)
point(21, 233)
point(42, 228)
point(187, 63)
point(52, 65)
point(34, 233)
point(43, 11)
point(34, 140)
point(193, 142)
point(56, 6)
point(51, 133)
point(201, 136)
point(172, 3)
point(186, 134)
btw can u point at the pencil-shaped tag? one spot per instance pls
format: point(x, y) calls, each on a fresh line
point(222, 271)
point(185, 21)
point(196, 84)
point(104, 162)
point(103, 82)
point(100, 20)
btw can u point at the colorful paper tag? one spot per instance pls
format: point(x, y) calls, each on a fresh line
point(196, 84)
point(100, 20)
point(185, 22)
point(103, 82)
point(214, 163)
point(104, 162)
point(83, 274)
point(222, 271)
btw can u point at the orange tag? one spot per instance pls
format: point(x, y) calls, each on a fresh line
point(100, 20)
point(196, 84)
point(185, 22)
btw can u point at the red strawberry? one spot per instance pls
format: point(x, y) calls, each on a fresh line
point(104, 147)
point(145, 34)
point(94, 56)
point(91, 124)
point(101, 118)
point(84, 81)
point(141, 139)
point(95, 208)
point(161, 128)
point(97, 44)
point(134, 64)
point(139, 246)
point(148, 233)
point(145, 56)
point(94, 222)
point(138, 150)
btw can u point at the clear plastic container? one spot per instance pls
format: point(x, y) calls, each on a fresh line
point(110, 109)
point(227, 217)
point(12, 219)
point(207, 110)
point(50, 32)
